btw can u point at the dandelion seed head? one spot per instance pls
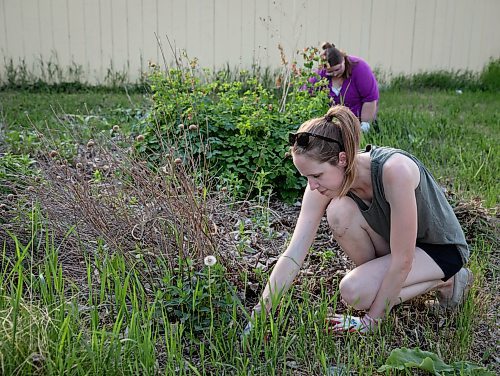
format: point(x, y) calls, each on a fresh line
point(210, 260)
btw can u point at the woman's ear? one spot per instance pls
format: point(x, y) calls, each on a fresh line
point(342, 159)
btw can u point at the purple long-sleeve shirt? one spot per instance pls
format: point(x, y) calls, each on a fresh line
point(359, 88)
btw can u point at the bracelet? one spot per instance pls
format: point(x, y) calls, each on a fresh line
point(292, 259)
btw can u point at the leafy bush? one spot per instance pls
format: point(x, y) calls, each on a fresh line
point(490, 76)
point(240, 127)
point(200, 299)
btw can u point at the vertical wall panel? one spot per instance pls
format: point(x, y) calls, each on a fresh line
point(462, 28)
point(319, 19)
point(297, 27)
point(248, 22)
point(179, 31)
point(135, 48)
point(14, 29)
point(441, 48)
point(149, 28)
point(106, 36)
point(291, 30)
point(169, 17)
point(197, 45)
point(423, 35)
point(262, 32)
point(402, 33)
point(31, 44)
point(336, 24)
point(297, 22)
point(4, 40)
point(474, 39)
point(352, 26)
point(77, 32)
point(204, 29)
point(275, 34)
point(308, 20)
point(118, 24)
point(93, 39)
point(45, 30)
point(342, 10)
point(365, 29)
point(382, 34)
point(227, 48)
point(61, 35)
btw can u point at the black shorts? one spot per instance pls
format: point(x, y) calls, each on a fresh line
point(446, 256)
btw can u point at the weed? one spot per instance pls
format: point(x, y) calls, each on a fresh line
point(490, 76)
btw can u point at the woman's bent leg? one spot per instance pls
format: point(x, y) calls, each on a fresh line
point(353, 234)
point(360, 286)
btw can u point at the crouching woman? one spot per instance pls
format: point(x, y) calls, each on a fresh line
point(386, 212)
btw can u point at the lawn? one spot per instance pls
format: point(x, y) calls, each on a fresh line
point(103, 272)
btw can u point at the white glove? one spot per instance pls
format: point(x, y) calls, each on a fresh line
point(365, 126)
point(344, 323)
point(247, 329)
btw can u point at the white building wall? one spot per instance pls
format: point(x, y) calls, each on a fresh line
point(396, 36)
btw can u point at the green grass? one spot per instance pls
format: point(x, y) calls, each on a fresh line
point(119, 327)
point(65, 118)
point(455, 135)
point(115, 320)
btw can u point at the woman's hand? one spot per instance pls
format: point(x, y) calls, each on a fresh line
point(248, 328)
point(345, 323)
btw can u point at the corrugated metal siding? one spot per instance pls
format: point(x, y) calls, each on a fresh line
point(397, 36)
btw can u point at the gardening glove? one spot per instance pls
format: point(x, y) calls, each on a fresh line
point(353, 324)
point(248, 328)
point(365, 126)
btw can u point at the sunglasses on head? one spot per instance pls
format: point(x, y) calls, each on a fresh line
point(302, 139)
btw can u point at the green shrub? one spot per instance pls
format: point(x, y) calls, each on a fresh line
point(490, 76)
point(200, 299)
point(240, 127)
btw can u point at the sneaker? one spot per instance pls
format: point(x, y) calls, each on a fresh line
point(462, 282)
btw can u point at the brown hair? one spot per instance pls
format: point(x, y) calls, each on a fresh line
point(335, 56)
point(342, 125)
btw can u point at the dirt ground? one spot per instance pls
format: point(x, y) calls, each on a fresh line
point(326, 261)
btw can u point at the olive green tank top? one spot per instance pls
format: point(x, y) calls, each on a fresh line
point(437, 223)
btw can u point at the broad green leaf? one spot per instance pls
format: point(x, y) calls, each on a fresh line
point(404, 358)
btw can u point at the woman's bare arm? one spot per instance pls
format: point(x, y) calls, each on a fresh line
point(401, 176)
point(289, 263)
point(368, 111)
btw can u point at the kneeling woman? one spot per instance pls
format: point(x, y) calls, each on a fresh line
point(386, 212)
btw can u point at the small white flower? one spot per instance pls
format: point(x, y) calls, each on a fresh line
point(210, 260)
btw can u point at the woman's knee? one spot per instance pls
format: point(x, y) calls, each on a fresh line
point(354, 292)
point(340, 214)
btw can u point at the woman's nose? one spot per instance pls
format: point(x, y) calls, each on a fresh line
point(313, 184)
